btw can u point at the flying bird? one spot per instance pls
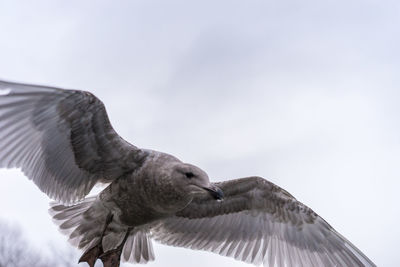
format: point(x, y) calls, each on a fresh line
point(63, 141)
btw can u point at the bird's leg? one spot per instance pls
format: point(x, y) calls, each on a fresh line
point(112, 257)
point(91, 255)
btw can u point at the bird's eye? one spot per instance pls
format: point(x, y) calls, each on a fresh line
point(189, 175)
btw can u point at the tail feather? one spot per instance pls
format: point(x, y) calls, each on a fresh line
point(72, 222)
point(83, 224)
point(138, 248)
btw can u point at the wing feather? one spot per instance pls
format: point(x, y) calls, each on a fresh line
point(61, 139)
point(258, 222)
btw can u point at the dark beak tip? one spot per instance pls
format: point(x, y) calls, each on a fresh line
point(216, 193)
point(219, 194)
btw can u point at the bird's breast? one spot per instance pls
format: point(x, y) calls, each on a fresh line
point(140, 200)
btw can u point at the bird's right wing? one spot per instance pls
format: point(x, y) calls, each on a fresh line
point(61, 139)
point(260, 223)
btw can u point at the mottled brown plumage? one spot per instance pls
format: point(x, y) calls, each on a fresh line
point(64, 142)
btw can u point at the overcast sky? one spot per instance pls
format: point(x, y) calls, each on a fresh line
point(304, 93)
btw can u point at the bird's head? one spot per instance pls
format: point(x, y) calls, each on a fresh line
point(194, 180)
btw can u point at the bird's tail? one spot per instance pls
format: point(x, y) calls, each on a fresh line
point(84, 222)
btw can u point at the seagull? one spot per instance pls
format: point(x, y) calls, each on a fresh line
point(64, 142)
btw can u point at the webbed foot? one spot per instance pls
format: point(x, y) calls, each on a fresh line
point(91, 255)
point(111, 258)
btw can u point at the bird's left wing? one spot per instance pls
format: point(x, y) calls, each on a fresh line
point(260, 223)
point(61, 139)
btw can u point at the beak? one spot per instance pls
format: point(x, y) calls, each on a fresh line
point(215, 192)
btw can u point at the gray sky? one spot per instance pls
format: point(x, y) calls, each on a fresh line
point(303, 93)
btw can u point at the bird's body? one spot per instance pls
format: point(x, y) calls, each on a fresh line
point(147, 194)
point(64, 142)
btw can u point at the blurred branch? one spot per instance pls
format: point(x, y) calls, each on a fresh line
point(15, 251)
